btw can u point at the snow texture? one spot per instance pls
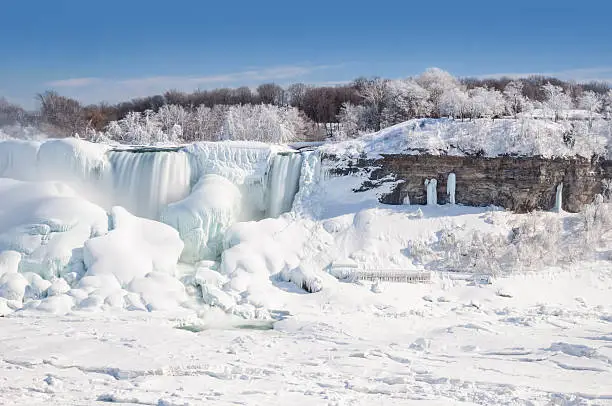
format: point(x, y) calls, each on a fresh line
point(227, 261)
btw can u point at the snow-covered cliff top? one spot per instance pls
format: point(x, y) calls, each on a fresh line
point(522, 136)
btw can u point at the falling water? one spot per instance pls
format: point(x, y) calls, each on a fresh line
point(145, 182)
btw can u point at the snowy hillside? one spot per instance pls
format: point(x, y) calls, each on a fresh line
point(524, 136)
point(217, 273)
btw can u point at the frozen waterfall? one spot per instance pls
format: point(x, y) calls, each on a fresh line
point(559, 198)
point(147, 180)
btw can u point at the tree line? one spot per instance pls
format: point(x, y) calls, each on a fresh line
point(312, 112)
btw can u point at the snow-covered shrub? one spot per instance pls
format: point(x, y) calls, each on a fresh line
point(596, 219)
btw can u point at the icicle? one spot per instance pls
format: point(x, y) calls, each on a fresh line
point(559, 198)
point(450, 188)
point(406, 200)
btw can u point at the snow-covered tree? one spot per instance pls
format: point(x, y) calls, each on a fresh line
point(455, 103)
point(514, 96)
point(170, 115)
point(486, 103)
point(406, 99)
point(607, 104)
point(437, 82)
point(262, 122)
point(374, 95)
point(350, 118)
point(591, 102)
point(557, 100)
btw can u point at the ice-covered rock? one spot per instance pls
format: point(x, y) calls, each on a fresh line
point(303, 277)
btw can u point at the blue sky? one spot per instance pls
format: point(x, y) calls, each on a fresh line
point(114, 50)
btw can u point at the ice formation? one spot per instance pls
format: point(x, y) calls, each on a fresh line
point(559, 198)
point(450, 188)
point(145, 180)
point(84, 225)
point(432, 193)
point(203, 217)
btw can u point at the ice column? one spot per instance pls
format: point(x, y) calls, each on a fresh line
point(450, 188)
point(432, 194)
point(559, 198)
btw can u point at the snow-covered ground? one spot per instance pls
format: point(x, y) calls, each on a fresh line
point(196, 306)
point(540, 338)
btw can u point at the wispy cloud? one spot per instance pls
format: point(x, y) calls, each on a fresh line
point(93, 89)
point(603, 73)
point(76, 82)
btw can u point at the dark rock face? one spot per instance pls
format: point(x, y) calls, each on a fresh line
point(521, 184)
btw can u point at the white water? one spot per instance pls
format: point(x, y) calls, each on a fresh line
point(450, 187)
point(283, 183)
point(145, 182)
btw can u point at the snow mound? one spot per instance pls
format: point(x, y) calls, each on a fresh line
point(133, 248)
point(47, 224)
